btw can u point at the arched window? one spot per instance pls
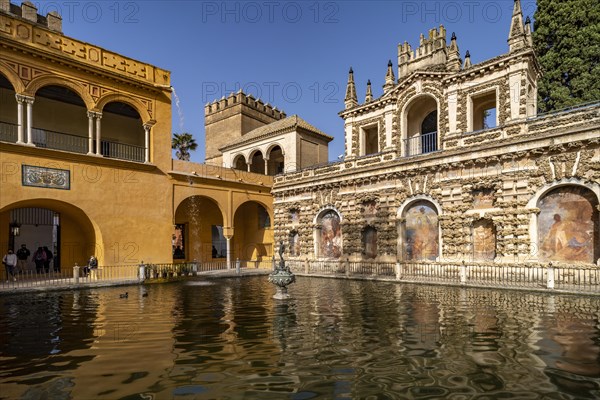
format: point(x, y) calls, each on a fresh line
point(568, 228)
point(429, 133)
point(421, 232)
point(420, 126)
point(240, 163)
point(369, 242)
point(329, 235)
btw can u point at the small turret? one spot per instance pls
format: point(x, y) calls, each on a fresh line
point(369, 96)
point(467, 60)
point(516, 37)
point(453, 63)
point(390, 79)
point(350, 100)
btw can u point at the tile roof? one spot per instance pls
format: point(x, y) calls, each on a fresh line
point(274, 128)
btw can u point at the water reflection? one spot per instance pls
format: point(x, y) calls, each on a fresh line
point(333, 339)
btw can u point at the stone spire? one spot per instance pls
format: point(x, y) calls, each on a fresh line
point(369, 96)
point(351, 100)
point(390, 79)
point(453, 62)
point(528, 31)
point(516, 37)
point(467, 60)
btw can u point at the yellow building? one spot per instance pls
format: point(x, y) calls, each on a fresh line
point(86, 166)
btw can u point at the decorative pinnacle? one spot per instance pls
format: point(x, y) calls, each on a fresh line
point(390, 78)
point(351, 100)
point(369, 96)
point(453, 36)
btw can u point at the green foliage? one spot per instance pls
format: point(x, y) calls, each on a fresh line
point(567, 42)
point(183, 143)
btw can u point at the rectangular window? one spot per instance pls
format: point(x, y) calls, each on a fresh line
point(483, 111)
point(370, 140)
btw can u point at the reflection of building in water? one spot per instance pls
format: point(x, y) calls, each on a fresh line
point(427, 142)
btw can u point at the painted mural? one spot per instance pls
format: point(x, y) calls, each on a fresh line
point(483, 199)
point(331, 236)
point(566, 228)
point(369, 238)
point(421, 238)
point(294, 243)
point(484, 240)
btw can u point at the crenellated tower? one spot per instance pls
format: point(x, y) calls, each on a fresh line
point(229, 118)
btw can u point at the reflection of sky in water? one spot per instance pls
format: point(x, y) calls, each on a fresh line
point(332, 338)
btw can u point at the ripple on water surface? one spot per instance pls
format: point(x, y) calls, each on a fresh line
point(333, 339)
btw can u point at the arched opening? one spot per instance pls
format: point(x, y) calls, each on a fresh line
point(64, 230)
point(253, 234)
point(328, 235)
point(421, 126)
point(369, 242)
point(198, 230)
point(568, 225)
point(258, 163)
point(420, 232)
point(8, 111)
point(484, 240)
point(60, 120)
point(239, 163)
point(294, 244)
point(122, 131)
point(276, 161)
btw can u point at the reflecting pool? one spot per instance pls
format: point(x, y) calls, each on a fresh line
point(334, 339)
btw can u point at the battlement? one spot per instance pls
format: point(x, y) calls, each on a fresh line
point(240, 98)
point(28, 11)
point(432, 51)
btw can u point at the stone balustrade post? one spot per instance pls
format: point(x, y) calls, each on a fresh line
point(463, 273)
point(142, 276)
point(550, 276)
point(76, 273)
point(238, 268)
point(398, 271)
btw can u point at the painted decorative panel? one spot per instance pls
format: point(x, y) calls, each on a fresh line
point(369, 239)
point(46, 177)
point(483, 198)
point(331, 235)
point(484, 240)
point(421, 236)
point(566, 225)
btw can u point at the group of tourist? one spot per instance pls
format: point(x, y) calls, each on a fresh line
point(17, 263)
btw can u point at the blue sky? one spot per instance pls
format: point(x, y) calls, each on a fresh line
point(292, 54)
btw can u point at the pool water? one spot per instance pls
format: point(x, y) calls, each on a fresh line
point(334, 339)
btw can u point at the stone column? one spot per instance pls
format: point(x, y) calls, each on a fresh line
point(147, 143)
point(266, 166)
point(29, 101)
point(91, 115)
point(228, 241)
point(248, 166)
point(98, 134)
point(20, 100)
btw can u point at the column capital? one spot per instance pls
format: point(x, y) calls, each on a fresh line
point(147, 126)
point(22, 98)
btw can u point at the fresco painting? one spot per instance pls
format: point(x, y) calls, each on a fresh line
point(566, 228)
point(421, 232)
point(369, 238)
point(484, 240)
point(294, 243)
point(483, 199)
point(331, 236)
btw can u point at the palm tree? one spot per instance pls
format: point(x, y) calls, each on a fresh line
point(183, 143)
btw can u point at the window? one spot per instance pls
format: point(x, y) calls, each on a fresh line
point(370, 140)
point(483, 111)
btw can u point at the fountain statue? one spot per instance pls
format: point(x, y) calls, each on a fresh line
point(282, 276)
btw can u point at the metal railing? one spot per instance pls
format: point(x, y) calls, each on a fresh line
point(59, 141)
point(421, 144)
point(47, 139)
point(122, 151)
point(573, 278)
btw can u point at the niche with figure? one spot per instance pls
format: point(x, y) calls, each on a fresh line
point(421, 232)
point(484, 240)
point(568, 225)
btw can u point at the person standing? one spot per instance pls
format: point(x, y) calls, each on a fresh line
point(10, 263)
point(39, 258)
point(48, 259)
point(22, 255)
